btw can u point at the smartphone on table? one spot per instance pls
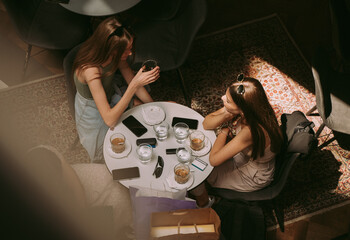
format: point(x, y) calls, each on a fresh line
point(125, 173)
point(192, 123)
point(150, 141)
point(134, 126)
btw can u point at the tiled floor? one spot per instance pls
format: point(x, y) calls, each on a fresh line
point(307, 21)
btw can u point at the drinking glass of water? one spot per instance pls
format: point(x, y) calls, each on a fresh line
point(161, 130)
point(181, 131)
point(144, 151)
point(149, 65)
point(184, 154)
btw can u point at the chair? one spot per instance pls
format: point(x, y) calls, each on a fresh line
point(269, 193)
point(71, 89)
point(292, 150)
point(46, 25)
point(168, 40)
point(332, 99)
point(68, 73)
point(157, 9)
point(340, 20)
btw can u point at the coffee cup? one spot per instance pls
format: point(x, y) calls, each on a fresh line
point(197, 140)
point(118, 142)
point(149, 65)
point(182, 173)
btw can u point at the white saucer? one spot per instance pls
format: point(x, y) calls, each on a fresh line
point(203, 151)
point(123, 154)
point(153, 115)
point(170, 180)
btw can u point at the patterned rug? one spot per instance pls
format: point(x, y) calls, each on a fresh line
point(37, 112)
point(263, 49)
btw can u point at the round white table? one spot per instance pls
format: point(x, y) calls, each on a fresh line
point(99, 7)
point(146, 178)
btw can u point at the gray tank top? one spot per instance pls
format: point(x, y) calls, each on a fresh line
point(107, 83)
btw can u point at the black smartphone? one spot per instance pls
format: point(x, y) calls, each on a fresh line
point(192, 123)
point(134, 125)
point(170, 150)
point(126, 173)
point(150, 141)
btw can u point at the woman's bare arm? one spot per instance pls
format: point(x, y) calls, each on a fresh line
point(128, 75)
point(111, 115)
point(215, 119)
point(221, 151)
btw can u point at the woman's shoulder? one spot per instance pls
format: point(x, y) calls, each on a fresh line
point(88, 73)
point(90, 69)
point(245, 133)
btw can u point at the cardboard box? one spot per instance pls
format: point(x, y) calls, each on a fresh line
point(185, 224)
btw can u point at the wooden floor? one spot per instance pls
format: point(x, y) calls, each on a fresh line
point(50, 60)
point(308, 23)
point(332, 224)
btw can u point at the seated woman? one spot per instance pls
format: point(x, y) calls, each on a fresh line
point(246, 162)
point(88, 196)
point(98, 59)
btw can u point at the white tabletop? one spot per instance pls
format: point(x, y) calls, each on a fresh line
point(146, 178)
point(99, 7)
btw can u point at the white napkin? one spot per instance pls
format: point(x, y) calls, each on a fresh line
point(153, 114)
point(173, 184)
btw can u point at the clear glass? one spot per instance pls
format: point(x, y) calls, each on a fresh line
point(181, 131)
point(117, 142)
point(182, 173)
point(149, 65)
point(184, 154)
point(144, 152)
point(197, 140)
point(161, 130)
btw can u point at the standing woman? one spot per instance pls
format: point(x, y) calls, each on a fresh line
point(245, 162)
point(94, 68)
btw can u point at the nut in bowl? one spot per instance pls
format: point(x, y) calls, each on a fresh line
point(182, 173)
point(117, 142)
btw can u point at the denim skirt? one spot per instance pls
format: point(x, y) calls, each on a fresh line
point(90, 126)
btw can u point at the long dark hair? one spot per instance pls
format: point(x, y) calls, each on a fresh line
point(96, 50)
point(258, 114)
